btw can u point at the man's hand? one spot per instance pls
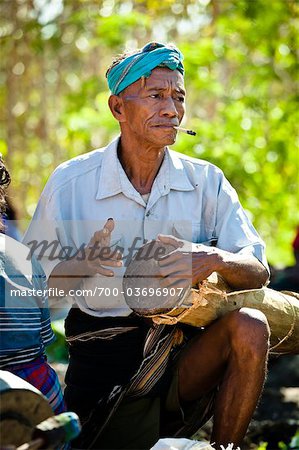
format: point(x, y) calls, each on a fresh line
point(99, 254)
point(68, 274)
point(188, 264)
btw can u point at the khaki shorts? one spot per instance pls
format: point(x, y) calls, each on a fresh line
point(184, 420)
point(139, 423)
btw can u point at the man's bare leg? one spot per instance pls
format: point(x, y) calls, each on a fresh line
point(231, 353)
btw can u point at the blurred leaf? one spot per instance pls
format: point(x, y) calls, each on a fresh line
point(57, 351)
point(242, 93)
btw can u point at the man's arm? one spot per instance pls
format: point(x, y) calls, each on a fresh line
point(192, 263)
point(240, 270)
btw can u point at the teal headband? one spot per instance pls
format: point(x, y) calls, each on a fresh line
point(142, 63)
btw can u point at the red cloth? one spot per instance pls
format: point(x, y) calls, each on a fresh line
point(44, 378)
point(295, 243)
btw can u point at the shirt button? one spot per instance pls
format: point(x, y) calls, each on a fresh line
point(147, 214)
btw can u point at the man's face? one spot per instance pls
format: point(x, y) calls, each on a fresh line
point(153, 106)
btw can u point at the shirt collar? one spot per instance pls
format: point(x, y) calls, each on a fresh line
point(109, 182)
point(113, 180)
point(178, 178)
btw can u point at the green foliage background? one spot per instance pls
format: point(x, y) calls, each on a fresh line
point(241, 75)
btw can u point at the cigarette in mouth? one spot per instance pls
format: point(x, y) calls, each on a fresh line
point(184, 130)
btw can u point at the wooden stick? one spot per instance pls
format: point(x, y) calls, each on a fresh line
point(35, 444)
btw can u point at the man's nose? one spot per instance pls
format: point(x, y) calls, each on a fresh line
point(169, 108)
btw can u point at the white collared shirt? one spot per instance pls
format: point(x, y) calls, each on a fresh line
point(190, 199)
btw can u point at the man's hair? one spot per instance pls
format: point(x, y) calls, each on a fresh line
point(4, 182)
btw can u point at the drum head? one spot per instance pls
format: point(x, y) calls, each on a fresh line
point(22, 407)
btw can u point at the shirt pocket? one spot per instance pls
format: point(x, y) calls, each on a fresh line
point(187, 230)
point(194, 232)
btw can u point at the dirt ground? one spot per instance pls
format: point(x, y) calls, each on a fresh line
point(277, 416)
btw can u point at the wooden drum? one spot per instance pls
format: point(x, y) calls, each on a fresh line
point(22, 407)
point(199, 306)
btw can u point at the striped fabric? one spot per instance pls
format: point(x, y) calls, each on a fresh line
point(158, 344)
point(44, 378)
point(17, 328)
point(25, 328)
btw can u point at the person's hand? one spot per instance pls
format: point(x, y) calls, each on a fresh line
point(188, 264)
point(98, 252)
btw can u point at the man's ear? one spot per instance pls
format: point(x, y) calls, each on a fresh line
point(117, 107)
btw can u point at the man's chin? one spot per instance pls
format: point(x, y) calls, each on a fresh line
point(165, 136)
point(167, 140)
point(172, 142)
point(160, 140)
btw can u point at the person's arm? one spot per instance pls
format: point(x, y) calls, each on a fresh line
point(192, 263)
point(240, 270)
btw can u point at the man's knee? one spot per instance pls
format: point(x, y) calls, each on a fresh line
point(249, 333)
